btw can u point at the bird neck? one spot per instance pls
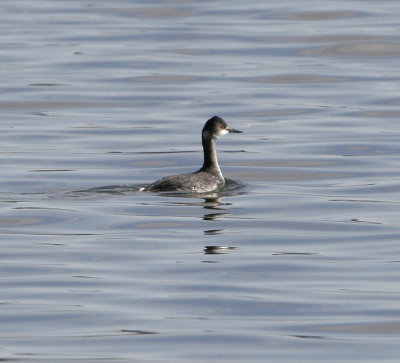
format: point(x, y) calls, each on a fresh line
point(210, 163)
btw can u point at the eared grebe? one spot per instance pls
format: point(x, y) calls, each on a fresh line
point(209, 177)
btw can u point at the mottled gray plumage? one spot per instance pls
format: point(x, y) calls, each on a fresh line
point(209, 177)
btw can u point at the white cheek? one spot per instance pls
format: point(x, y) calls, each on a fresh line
point(224, 132)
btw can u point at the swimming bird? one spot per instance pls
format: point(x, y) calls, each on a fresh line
point(209, 177)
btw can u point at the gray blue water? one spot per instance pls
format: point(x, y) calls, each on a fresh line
point(296, 260)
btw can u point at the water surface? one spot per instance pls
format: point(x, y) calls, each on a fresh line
point(297, 259)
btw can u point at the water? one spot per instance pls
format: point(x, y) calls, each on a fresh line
point(296, 260)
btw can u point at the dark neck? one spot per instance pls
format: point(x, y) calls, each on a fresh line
point(210, 156)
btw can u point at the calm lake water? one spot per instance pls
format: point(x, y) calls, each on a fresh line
point(296, 260)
